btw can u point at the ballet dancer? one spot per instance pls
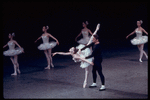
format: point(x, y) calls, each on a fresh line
point(47, 46)
point(84, 63)
point(139, 40)
point(73, 51)
point(85, 33)
point(13, 52)
point(97, 60)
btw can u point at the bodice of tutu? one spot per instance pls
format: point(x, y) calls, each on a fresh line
point(138, 34)
point(45, 39)
point(11, 45)
point(85, 34)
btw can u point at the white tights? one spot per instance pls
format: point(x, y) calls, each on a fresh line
point(16, 64)
point(86, 77)
point(140, 47)
point(49, 58)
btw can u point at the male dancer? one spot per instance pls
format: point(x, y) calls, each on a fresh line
point(97, 62)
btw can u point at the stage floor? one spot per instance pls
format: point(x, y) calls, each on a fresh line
point(125, 77)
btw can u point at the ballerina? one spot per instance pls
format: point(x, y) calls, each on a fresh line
point(13, 52)
point(85, 32)
point(73, 51)
point(47, 46)
point(79, 55)
point(139, 40)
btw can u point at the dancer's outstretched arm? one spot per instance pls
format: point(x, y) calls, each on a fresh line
point(78, 36)
point(97, 28)
point(62, 53)
point(130, 34)
point(5, 45)
point(38, 38)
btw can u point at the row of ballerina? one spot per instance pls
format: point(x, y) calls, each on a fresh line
point(47, 46)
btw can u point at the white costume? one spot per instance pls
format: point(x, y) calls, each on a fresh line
point(139, 39)
point(12, 51)
point(46, 44)
point(84, 53)
point(85, 38)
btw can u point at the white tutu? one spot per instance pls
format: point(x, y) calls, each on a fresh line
point(84, 40)
point(139, 40)
point(13, 52)
point(45, 46)
point(84, 53)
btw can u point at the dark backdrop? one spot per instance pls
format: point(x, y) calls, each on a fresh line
point(26, 19)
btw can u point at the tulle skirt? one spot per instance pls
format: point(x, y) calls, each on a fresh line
point(13, 52)
point(84, 53)
point(139, 40)
point(84, 40)
point(46, 46)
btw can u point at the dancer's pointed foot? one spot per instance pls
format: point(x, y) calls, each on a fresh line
point(14, 74)
point(18, 71)
point(146, 57)
point(84, 84)
point(48, 67)
point(140, 60)
point(52, 65)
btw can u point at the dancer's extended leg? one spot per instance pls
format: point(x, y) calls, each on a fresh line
point(86, 77)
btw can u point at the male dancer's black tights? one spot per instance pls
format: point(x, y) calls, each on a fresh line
point(99, 69)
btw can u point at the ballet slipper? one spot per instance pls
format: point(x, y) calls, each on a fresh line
point(140, 60)
point(14, 74)
point(52, 65)
point(18, 71)
point(48, 67)
point(146, 57)
point(84, 84)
